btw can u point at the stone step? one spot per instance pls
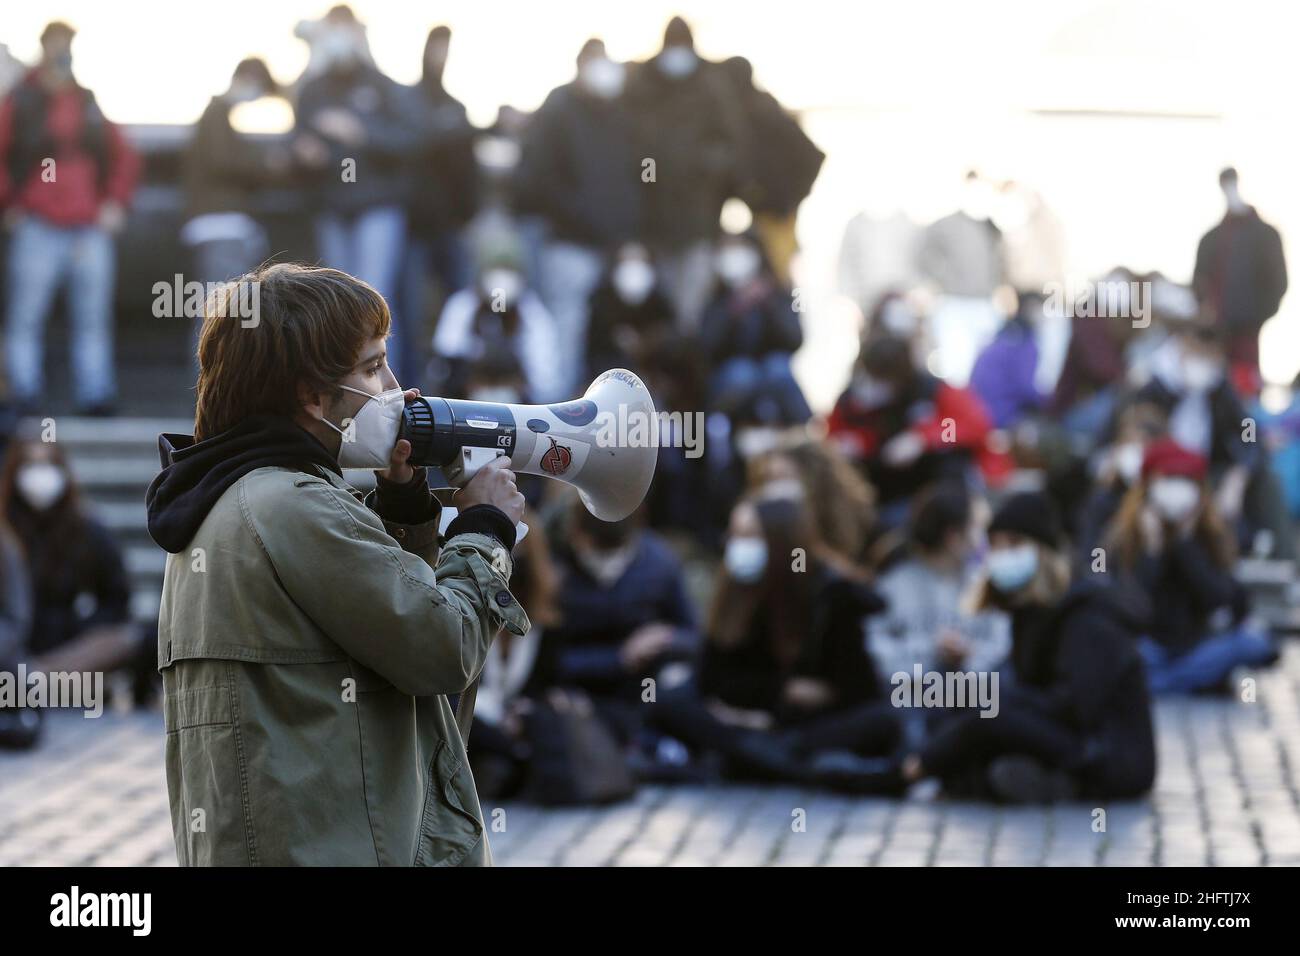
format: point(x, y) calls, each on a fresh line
point(87, 434)
point(107, 475)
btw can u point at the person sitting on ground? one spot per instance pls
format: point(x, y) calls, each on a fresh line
point(927, 622)
point(905, 427)
point(842, 503)
point(1169, 537)
point(624, 614)
point(748, 334)
point(81, 618)
point(785, 690)
point(1190, 383)
point(1077, 721)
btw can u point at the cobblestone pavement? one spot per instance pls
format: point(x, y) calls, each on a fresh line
point(1228, 793)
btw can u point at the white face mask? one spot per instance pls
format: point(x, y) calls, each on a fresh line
point(735, 264)
point(41, 484)
point(339, 46)
point(678, 61)
point(633, 280)
point(870, 392)
point(1010, 569)
point(899, 318)
point(1201, 374)
point(745, 559)
point(371, 433)
point(1174, 498)
point(603, 77)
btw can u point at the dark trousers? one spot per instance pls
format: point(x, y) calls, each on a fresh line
point(867, 729)
point(1118, 765)
point(969, 743)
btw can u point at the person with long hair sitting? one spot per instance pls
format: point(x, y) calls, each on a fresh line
point(1077, 720)
point(785, 690)
point(81, 612)
point(1170, 539)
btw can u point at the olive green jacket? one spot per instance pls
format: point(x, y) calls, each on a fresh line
point(307, 648)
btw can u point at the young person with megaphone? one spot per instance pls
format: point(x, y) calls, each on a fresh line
point(309, 636)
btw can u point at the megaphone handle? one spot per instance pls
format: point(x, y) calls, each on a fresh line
point(467, 463)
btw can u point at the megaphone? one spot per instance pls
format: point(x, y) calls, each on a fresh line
point(605, 443)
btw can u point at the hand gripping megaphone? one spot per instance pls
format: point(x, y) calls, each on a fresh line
point(605, 443)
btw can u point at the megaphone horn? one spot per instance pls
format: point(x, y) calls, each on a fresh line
point(605, 443)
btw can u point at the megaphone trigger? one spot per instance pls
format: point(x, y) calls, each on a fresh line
point(465, 466)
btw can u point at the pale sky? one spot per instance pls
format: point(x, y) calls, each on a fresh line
point(902, 96)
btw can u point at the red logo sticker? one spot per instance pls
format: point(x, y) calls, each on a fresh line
point(557, 459)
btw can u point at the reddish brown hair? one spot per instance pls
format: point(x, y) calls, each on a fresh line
point(310, 329)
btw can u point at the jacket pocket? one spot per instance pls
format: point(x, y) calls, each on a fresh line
point(206, 781)
point(448, 831)
point(198, 707)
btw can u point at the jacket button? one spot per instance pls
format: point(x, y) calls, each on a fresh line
point(400, 532)
point(503, 598)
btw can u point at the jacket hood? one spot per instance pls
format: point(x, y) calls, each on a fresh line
point(196, 474)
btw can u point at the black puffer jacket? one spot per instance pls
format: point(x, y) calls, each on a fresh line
point(1078, 662)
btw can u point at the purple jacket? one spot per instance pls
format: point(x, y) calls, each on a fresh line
point(1003, 376)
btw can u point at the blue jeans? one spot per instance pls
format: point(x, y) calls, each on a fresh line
point(569, 274)
point(764, 389)
point(41, 258)
point(1088, 418)
point(372, 247)
point(446, 258)
point(1207, 664)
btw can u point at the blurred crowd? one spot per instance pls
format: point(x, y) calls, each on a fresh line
point(1074, 526)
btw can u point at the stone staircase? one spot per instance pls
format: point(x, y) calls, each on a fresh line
point(113, 460)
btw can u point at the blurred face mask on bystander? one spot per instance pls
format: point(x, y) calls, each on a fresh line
point(41, 484)
point(633, 280)
point(603, 77)
point(1174, 499)
point(737, 263)
point(1010, 569)
point(746, 559)
point(870, 392)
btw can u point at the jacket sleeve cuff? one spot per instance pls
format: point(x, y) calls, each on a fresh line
point(414, 536)
point(410, 503)
point(484, 519)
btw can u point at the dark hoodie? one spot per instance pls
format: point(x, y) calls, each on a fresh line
point(196, 474)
